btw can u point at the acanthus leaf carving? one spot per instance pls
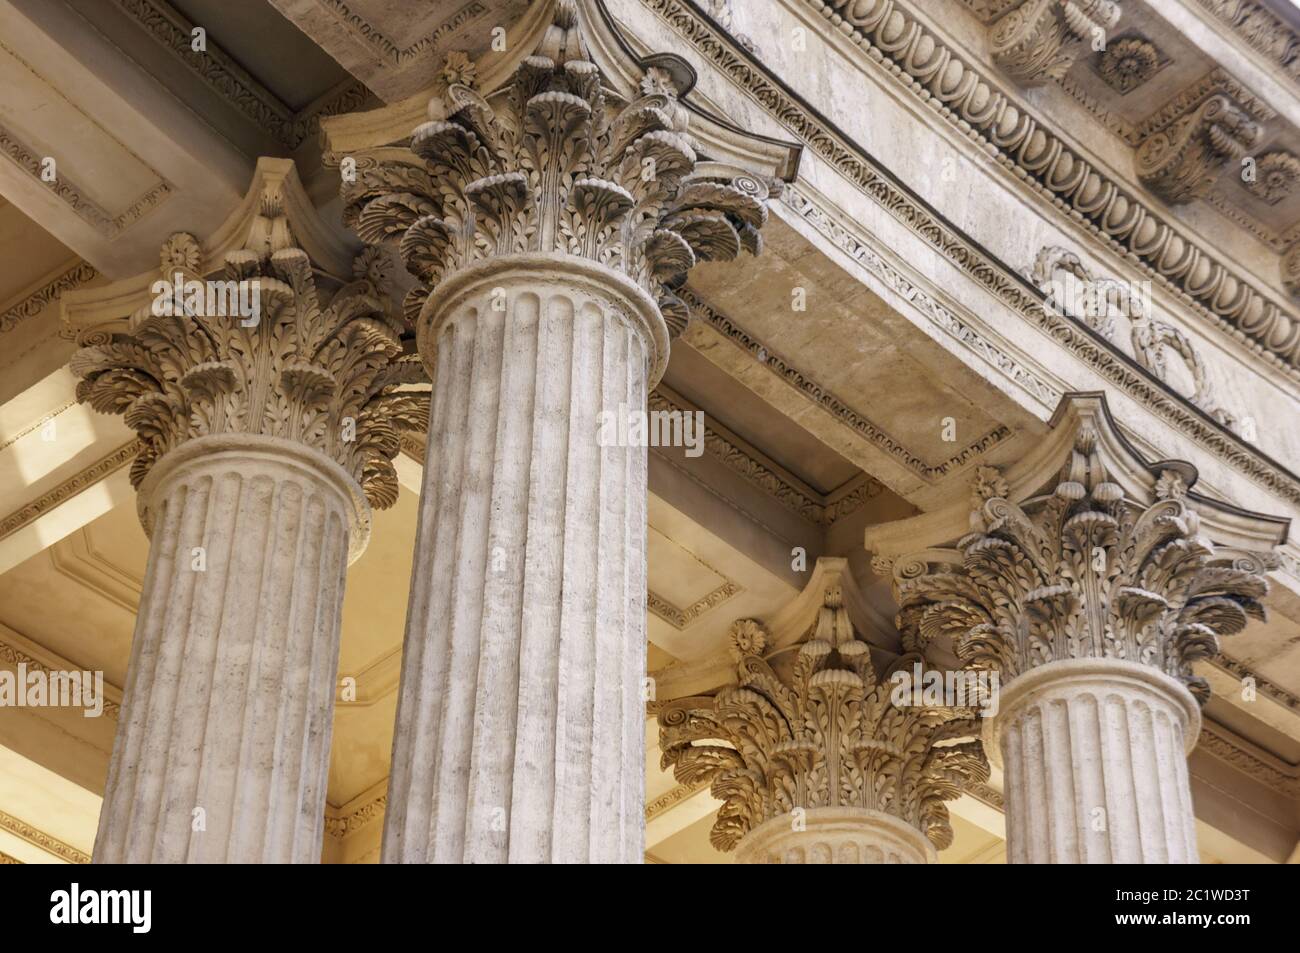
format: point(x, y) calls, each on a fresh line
point(555, 162)
point(1039, 40)
point(815, 726)
point(1081, 571)
point(1180, 162)
point(339, 376)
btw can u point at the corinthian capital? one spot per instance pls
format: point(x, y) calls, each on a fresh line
point(814, 726)
point(1038, 40)
point(1082, 570)
point(555, 161)
point(254, 343)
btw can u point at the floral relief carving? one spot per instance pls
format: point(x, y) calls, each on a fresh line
point(814, 726)
point(336, 374)
point(1275, 178)
point(556, 162)
point(1081, 571)
point(1103, 303)
point(1127, 63)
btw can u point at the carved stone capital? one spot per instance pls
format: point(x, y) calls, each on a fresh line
point(812, 727)
point(262, 347)
point(1039, 40)
point(1180, 161)
point(1081, 571)
point(557, 162)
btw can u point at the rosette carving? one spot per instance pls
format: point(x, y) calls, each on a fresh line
point(814, 726)
point(556, 162)
point(1128, 63)
point(336, 375)
point(1081, 572)
point(1275, 177)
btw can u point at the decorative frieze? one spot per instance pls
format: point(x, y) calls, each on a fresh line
point(70, 487)
point(909, 52)
point(1104, 304)
point(720, 10)
point(32, 303)
point(38, 838)
point(221, 73)
point(812, 727)
point(1261, 29)
point(835, 405)
point(876, 183)
point(1039, 40)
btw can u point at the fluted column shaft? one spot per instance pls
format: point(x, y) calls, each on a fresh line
point(520, 724)
point(835, 835)
point(222, 749)
point(1094, 756)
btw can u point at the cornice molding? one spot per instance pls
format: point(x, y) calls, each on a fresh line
point(853, 240)
point(341, 822)
point(1000, 280)
point(6, 859)
point(27, 159)
point(1241, 672)
point(369, 35)
point(1270, 771)
point(222, 74)
point(38, 838)
point(37, 424)
point(833, 404)
point(69, 488)
point(1015, 140)
point(1260, 31)
point(678, 617)
point(11, 654)
point(46, 292)
point(671, 798)
point(760, 471)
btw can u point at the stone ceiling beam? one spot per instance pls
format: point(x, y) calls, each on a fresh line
point(123, 147)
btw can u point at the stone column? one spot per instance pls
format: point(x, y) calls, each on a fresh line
point(223, 745)
point(525, 648)
point(824, 761)
point(835, 835)
point(1094, 760)
point(263, 435)
point(547, 223)
point(1093, 606)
